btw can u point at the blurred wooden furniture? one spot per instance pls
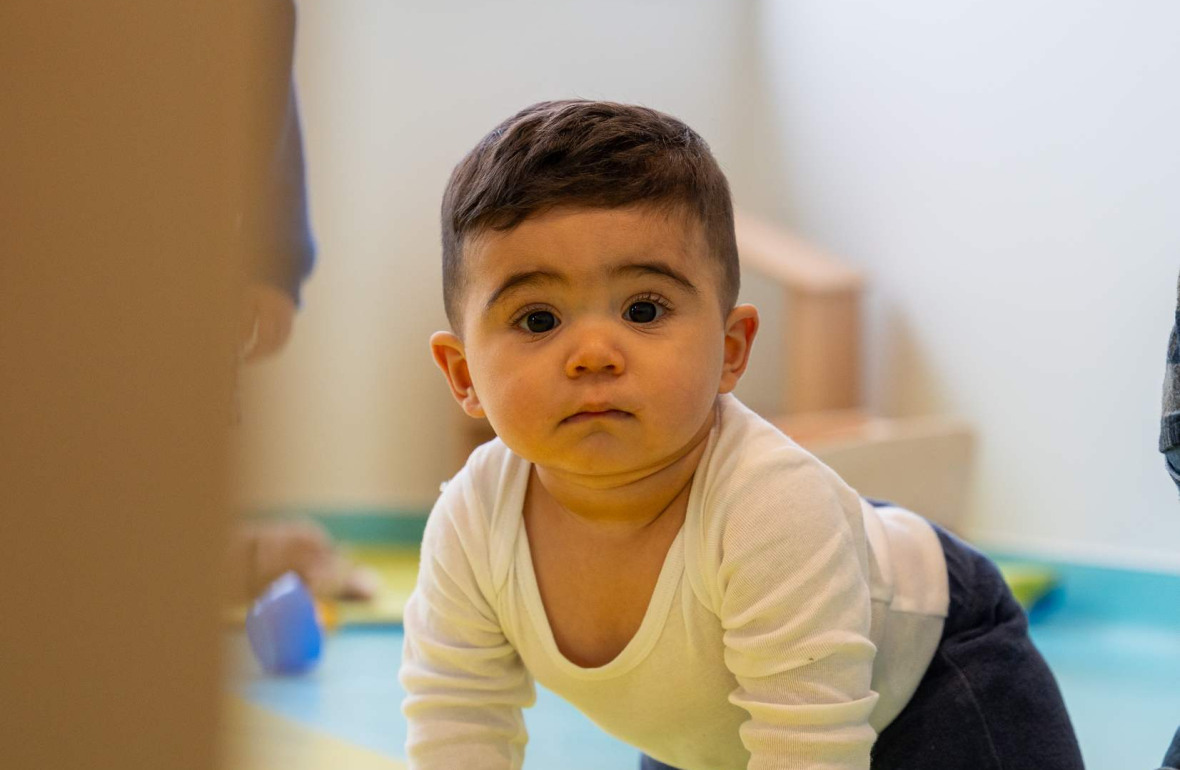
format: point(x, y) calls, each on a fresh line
point(124, 130)
point(921, 463)
point(820, 332)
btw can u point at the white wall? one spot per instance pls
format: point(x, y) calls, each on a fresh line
point(353, 413)
point(1007, 174)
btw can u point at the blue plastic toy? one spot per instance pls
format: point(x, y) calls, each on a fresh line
point(283, 628)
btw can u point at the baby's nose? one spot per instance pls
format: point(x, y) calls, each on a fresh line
point(594, 352)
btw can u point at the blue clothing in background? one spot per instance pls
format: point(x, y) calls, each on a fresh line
point(275, 230)
point(293, 249)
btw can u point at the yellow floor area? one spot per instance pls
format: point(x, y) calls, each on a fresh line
point(257, 739)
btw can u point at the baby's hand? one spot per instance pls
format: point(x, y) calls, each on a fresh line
point(267, 317)
point(272, 548)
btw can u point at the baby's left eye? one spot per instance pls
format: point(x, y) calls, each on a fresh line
point(643, 312)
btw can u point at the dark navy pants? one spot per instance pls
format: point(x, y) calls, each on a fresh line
point(988, 700)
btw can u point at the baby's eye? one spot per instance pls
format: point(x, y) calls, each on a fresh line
point(643, 312)
point(539, 321)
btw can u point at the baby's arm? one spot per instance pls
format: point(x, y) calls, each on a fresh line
point(795, 606)
point(465, 684)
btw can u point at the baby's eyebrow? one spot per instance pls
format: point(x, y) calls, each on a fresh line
point(655, 268)
point(527, 278)
point(522, 280)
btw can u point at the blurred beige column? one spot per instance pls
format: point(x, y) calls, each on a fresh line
point(117, 151)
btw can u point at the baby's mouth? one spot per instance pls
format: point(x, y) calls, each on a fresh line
point(596, 412)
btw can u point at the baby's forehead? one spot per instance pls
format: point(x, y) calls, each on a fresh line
point(591, 241)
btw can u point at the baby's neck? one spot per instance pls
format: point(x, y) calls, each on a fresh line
point(626, 504)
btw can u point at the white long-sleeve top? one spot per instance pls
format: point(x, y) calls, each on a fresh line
point(790, 623)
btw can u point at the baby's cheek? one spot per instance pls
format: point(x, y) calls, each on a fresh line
point(695, 387)
point(517, 419)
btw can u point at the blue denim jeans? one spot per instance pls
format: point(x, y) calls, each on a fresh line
point(988, 700)
point(1172, 757)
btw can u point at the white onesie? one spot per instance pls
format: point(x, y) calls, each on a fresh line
point(791, 620)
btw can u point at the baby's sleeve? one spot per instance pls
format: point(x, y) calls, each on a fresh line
point(795, 610)
point(465, 684)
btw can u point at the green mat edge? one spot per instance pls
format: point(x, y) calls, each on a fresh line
point(368, 526)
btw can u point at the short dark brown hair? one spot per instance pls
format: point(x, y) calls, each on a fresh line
point(585, 153)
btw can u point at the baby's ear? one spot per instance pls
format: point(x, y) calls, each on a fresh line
point(449, 354)
point(740, 329)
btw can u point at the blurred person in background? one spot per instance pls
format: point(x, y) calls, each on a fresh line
point(279, 252)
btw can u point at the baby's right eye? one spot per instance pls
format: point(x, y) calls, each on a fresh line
point(539, 322)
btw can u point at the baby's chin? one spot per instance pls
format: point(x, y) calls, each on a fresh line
point(609, 466)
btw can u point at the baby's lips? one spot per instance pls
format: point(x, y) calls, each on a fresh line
point(597, 411)
point(598, 407)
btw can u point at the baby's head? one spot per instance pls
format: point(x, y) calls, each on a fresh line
point(585, 154)
point(590, 276)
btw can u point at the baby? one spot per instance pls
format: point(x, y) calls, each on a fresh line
point(639, 541)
